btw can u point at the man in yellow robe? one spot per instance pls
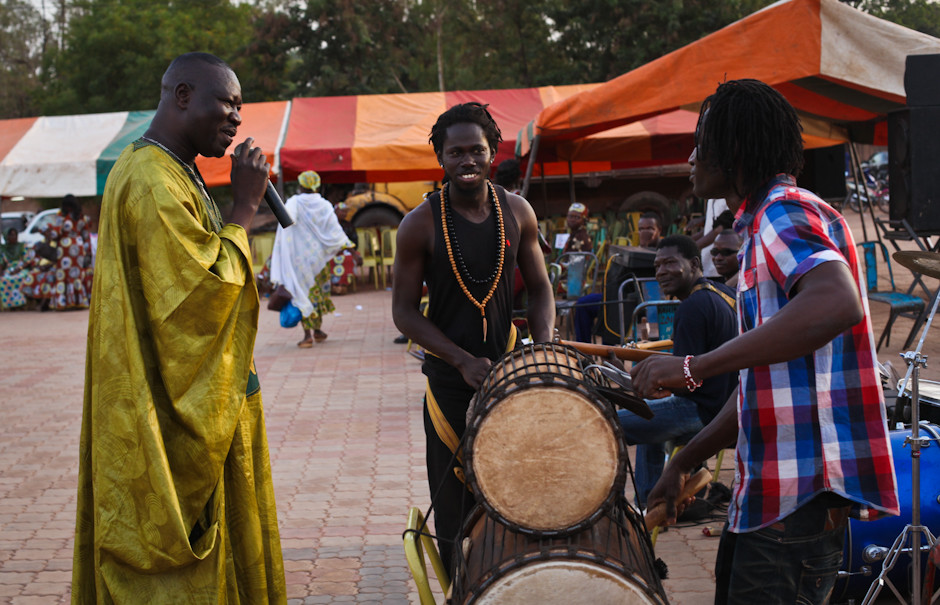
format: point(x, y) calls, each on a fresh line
point(175, 497)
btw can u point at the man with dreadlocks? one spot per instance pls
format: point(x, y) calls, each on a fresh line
point(465, 242)
point(809, 419)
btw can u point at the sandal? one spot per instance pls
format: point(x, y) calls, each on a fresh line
point(305, 344)
point(319, 336)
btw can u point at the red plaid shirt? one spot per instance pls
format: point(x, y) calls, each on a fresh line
point(816, 423)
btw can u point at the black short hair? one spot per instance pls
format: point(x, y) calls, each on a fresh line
point(655, 216)
point(474, 113)
point(683, 243)
point(184, 68)
point(751, 130)
point(70, 206)
point(508, 173)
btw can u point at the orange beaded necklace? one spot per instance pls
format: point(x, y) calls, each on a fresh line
point(481, 305)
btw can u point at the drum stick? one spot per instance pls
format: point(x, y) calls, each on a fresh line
point(642, 351)
point(657, 516)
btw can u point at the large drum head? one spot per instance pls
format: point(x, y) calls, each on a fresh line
point(562, 583)
point(546, 458)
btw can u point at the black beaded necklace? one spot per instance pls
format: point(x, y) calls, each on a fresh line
point(212, 209)
point(456, 259)
point(455, 245)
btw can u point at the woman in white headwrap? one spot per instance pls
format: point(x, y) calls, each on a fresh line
point(302, 251)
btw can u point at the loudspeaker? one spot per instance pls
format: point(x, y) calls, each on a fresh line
point(913, 153)
point(922, 80)
point(824, 172)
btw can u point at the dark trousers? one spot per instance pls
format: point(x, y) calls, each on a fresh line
point(794, 560)
point(450, 498)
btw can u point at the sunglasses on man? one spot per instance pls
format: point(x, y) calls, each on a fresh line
point(723, 251)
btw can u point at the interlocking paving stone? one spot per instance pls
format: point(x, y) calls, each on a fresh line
point(347, 450)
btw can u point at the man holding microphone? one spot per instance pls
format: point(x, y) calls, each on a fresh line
point(175, 498)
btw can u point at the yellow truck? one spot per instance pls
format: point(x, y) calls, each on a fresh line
point(377, 204)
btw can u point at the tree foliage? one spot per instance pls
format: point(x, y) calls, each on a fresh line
point(114, 53)
point(21, 38)
point(921, 15)
point(110, 54)
point(605, 38)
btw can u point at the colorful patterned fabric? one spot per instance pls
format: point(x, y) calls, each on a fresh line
point(343, 268)
point(816, 423)
point(319, 297)
point(17, 261)
point(309, 179)
point(68, 284)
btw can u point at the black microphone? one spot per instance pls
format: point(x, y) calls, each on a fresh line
point(277, 206)
point(274, 201)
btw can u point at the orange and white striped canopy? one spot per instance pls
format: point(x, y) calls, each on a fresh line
point(379, 138)
point(838, 66)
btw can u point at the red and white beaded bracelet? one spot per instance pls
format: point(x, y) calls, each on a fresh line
point(690, 383)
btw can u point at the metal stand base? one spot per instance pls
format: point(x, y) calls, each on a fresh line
point(915, 550)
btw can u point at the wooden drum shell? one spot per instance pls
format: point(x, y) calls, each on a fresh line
point(610, 562)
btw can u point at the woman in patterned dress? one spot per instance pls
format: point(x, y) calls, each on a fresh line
point(343, 265)
point(68, 284)
point(15, 262)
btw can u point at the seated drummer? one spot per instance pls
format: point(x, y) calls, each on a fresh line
point(704, 321)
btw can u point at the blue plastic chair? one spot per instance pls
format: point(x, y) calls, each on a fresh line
point(645, 289)
point(665, 315)
point(903, 304)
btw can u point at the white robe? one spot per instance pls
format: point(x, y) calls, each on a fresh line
point(303, 249)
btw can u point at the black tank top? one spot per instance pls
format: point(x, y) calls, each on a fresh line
point(448, 307)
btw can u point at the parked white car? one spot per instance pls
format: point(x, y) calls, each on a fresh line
point(33, 232)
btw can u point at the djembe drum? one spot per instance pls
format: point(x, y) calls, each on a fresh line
point(607, 563)
point(543, 451)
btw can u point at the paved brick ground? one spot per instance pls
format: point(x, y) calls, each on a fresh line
point(347, 447)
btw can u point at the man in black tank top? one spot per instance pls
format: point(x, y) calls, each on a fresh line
point(464, 242)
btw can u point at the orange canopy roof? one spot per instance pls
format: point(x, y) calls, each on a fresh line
point(377, 138)
point(838, 66)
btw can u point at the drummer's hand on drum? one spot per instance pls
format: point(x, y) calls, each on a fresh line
point(667, 491)
point(474, 370)
point(657, 376)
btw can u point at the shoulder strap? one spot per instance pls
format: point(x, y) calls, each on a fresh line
point(710, 286)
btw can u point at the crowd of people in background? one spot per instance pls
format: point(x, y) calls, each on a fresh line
point(55, 273)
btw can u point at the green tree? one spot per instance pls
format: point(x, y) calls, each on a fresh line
point(920, 15)
point(348, 48)
point(22, 31)
point(263, 64)
point(605, 38)
point(115, 52)
point(508, 44)
point(387, 46)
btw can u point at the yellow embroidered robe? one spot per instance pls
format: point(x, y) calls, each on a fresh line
point(175, 498)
